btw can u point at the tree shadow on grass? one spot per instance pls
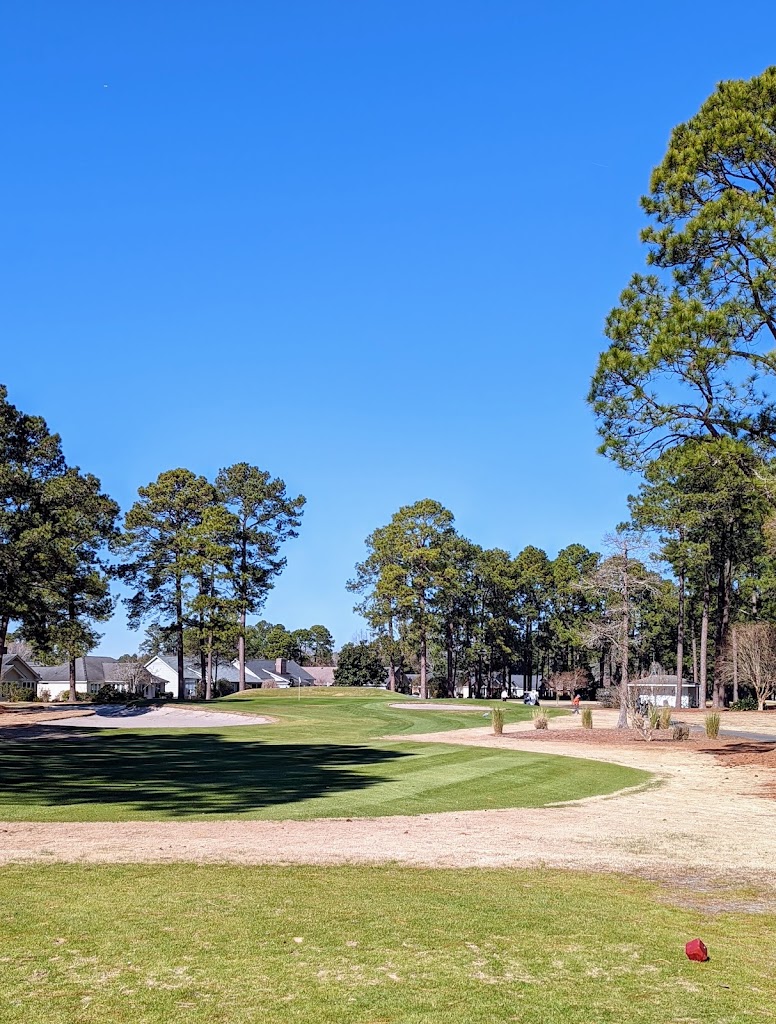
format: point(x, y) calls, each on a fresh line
point(180, 775)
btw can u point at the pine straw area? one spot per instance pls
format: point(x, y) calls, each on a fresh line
point(729, 751)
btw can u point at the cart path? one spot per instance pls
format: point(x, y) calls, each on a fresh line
point(703, 819)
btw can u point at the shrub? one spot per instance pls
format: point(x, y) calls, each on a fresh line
point(540, 720)
point(108, 694)
point(15, 693)
point(653, 714)
point(608, 696)
point(497, 718)
point(744, 704)
point(665, 718)
point(711, 722)
point(681, 732)
point(45, 695)
point(587, 718)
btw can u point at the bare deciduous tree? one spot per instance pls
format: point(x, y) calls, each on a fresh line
point(21, 649)
point(619, 581)
point(755, 658)
point(133, 674)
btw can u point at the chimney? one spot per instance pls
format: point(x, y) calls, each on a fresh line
point(280, 666)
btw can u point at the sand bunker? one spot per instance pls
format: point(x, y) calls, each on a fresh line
point(111, 716)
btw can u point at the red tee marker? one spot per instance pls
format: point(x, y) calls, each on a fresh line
point(696, 950)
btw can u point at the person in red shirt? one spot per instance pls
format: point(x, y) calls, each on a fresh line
point(575, 704)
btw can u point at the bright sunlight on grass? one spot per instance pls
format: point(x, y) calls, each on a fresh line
point(228, 945)
point(324, 757)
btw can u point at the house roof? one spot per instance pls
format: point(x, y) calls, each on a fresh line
point(223, 670)
point(190, 666)
point(91, 669)
point(265, 668)
point(8, 661)
point(322, 674)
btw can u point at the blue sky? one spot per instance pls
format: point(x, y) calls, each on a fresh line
point(368, 246)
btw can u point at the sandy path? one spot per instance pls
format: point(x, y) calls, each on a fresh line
point(704, 819)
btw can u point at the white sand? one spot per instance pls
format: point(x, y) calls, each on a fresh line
point(111, 716)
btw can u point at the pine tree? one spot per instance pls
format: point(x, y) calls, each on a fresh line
point(265, 517)
point(30, 457)
point(160, 542)
point(81, 523)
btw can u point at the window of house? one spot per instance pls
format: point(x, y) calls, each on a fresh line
point(94, 687)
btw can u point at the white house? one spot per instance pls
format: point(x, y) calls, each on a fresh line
point(91, 673)
point(279, 673)
point(164, 670)
point(16, 676)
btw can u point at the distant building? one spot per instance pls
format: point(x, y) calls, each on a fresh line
point(278, 673)
point(91, 673)
point(17, 677)
point(164, 670)
point(660, 690)
point(323, 675)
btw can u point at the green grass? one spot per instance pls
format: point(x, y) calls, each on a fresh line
point(229, 945)
point(323, 758)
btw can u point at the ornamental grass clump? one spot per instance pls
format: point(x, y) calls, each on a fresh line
point(587, 718)
point(540, 720)
point(711, 723)
point(497, 718)
point(665, 718)
point(642, 726)
point(654, 716)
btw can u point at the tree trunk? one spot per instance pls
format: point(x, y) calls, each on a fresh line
point(694, 658)
point(702, 681)
point(735, 665)
point(423, 684)
point(622, 718)
point(680, 644)
point(423, 650)
point(241, 652)
point(722, 624)
point(73, 695)
point(4, 624)
point(209, 670)
point(391, 673)
point(179, 641)
point(449, 638)
point(528, 656)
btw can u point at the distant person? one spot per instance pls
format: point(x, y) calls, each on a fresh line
point(504, 694)
point(575, 704)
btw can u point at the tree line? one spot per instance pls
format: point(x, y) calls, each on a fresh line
point(264, 640)
point(456, 613)
point(683, 396)
point(198, 557)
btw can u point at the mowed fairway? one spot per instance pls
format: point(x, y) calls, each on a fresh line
point(326, 756)
point(226, 945)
